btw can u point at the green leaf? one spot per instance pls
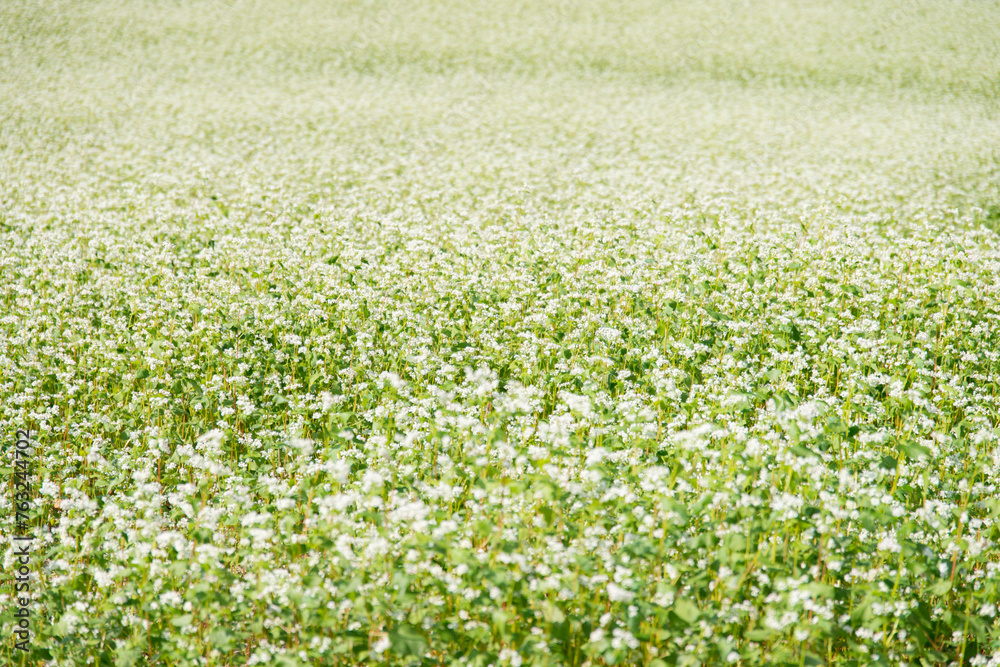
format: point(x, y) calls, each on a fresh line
point(182, 621)
point(912, 450)
point(686, 610)
point(940, 588)
point(127, 656)
point(221, 638)
point(407, 640)
point(819, 589)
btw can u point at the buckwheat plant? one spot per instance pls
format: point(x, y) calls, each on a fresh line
point(569, 332)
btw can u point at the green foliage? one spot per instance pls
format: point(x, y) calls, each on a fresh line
point(493, 334)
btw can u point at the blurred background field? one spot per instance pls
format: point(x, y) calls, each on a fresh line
point(781, 105)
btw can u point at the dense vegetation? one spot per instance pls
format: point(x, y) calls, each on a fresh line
point(540, 333)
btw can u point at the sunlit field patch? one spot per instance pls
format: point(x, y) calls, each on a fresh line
point(565, 333)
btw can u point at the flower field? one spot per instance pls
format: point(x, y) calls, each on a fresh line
point(524, 333)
